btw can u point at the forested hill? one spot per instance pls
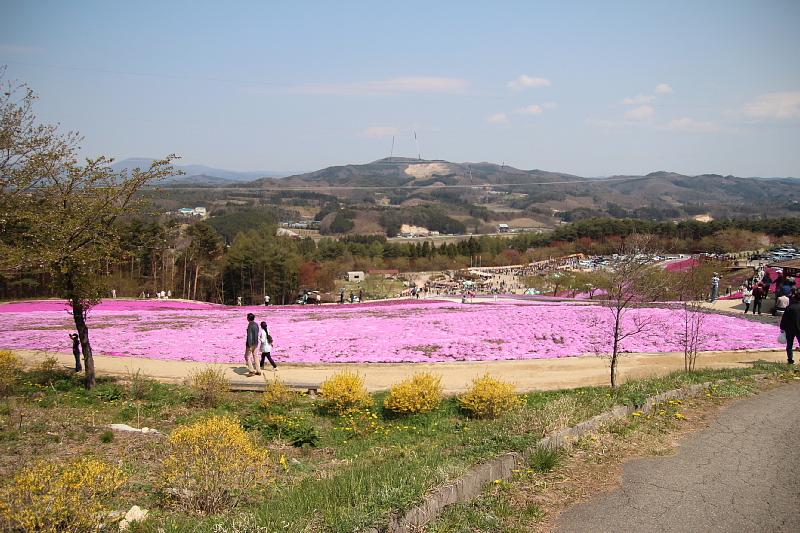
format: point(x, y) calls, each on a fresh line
point(413, 173)
point(404, 179)
point(490, 193)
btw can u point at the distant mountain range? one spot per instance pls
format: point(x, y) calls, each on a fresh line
point(201, 174)
point(349, 175)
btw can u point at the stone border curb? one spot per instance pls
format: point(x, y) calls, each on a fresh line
point(472, 484)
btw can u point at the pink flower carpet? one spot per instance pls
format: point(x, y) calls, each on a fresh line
point(379, 332)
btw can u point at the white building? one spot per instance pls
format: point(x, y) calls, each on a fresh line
point(189, 212)
point(355, 276)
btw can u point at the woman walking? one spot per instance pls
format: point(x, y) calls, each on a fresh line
point(747, 297)
point(265, 339)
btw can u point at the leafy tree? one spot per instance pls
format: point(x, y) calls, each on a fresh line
point(205, 247)
point(59, 214)
point(258, 263)
point(341, 224)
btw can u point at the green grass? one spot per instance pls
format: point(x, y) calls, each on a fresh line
point(342, 473)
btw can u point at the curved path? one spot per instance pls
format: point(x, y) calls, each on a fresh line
point(741, 474)
point(526, 375)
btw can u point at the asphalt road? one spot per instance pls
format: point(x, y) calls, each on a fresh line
point(741, 474)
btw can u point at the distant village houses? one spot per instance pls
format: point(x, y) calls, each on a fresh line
point(189, 212)
point(302, 224)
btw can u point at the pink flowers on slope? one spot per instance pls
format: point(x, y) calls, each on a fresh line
point(385, 332)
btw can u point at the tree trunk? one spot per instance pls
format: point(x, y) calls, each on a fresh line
point(78, 314)
point(196, 276)
point(615, 349)
point(184, 287)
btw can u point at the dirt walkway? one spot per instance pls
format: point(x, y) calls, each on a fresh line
point(529, 375)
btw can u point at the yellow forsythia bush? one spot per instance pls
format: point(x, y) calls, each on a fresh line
point(212, 464)
point(10, 368)
point(422, 393)
point(345, 392)
point(276, 393)
point(46, 497)
point(489, 398)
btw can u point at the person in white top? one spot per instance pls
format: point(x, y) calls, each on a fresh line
point(265, 339)
point(747, 297)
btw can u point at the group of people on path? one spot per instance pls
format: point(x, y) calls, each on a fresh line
point(258, 336)
point(755, 293)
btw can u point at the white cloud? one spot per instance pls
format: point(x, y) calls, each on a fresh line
point(530, 110)
point(526, 82)
point(775, 105)
point(689, 125)
point(409, 84)
point(663, 88)
point(381, 131)
point(640, 113)
point(640, 99)
point(499, 117)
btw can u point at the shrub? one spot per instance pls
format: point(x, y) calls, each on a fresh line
point(10, 368)
point(141, 385)
point(345, 392)
point(48, 371)
point(422, 393)
point(489, 398)
point(212, 464)
point(48, 497)
point(276, 393)
point(107, 436)
point(209, 385)
point(544, 459)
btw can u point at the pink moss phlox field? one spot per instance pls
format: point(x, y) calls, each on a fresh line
point(681, 265)
point(380, 332)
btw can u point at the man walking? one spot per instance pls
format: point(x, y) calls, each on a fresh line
point(251, 346)
point(790, 325)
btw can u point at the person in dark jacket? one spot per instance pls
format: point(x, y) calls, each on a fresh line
point(790, 325)
point(251, 346)
point(76, 351)
point(758, 295)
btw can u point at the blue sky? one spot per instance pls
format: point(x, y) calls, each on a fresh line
point(592, 88)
